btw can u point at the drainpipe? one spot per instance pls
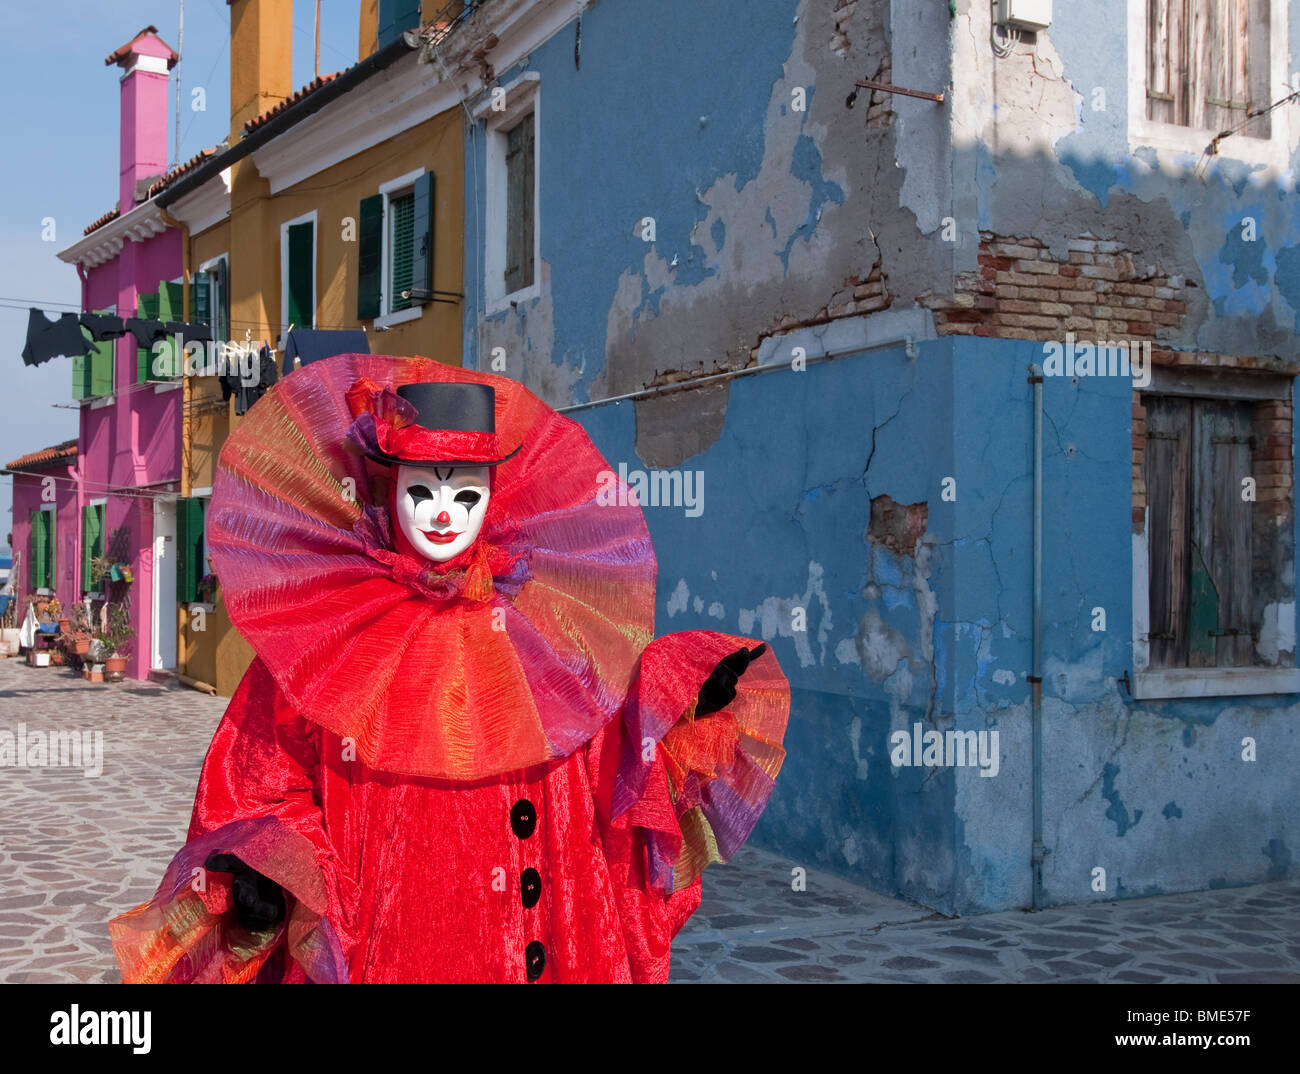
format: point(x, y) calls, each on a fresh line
point(1036, 678)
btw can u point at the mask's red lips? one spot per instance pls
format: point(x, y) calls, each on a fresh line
point(442, 538)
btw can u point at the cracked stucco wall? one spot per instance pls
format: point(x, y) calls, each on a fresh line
point(1155, 793)
point(1034, 154)
point(764, 214)
point(761, 211)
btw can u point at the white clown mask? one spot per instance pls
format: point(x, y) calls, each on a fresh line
point(440, 509)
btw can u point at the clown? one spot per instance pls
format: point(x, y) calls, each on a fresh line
point(458, 755)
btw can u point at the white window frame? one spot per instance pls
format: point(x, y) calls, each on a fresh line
point(284, 270)
point(96, 501)
point(388, 317)
point(1172, 141)
point(522, 95)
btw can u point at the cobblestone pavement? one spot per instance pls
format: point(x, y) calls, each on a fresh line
point(76, 851)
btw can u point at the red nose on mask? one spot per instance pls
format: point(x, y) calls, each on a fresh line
point(443, 518)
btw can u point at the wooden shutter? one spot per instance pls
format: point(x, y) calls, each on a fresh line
point(100, 363)
point(1208, 63)
point(92, 541)
point(369, 256)
point(400, 250)
point(189, 548)
point(146, 309)
point(302, 271)
point(39, 556)
point(422, 239)
point(1220, 619)
point(201, 299)
point(81, 364)
point(519, 205)
point(1168, 481)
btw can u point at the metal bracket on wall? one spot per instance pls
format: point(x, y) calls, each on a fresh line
point(887, 87)
point(1127, 685)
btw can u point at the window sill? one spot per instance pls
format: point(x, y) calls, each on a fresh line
point(515, 298)
point(166, 386)
point(388, 320)
point(100, 401)
point(1214, 682)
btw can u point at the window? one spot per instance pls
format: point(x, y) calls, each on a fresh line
point(159, 362)
point(92, 374)
point(298, 272)
point(519, 205)
point(395, 251)
point(42, 549)
point(512, 244)
point(1208, 63)
point(396, 16)
point(191, 547)
point(92, 541)
point(211, 295)
point(1217, 553)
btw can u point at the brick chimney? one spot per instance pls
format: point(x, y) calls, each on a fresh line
point(145, 61)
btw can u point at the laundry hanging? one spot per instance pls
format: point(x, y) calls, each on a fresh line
point(48, 339)
point(306, 345)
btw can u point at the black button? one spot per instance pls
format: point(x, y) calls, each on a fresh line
point(523, 818)
point(534, 959)
point(530, 888)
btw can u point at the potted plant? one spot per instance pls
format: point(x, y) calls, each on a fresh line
point(54, 609)
point(114, 640)
point(207, 589)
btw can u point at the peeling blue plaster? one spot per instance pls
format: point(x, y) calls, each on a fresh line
point(1117, 812)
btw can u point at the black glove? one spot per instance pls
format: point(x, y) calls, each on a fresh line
point(719, 689)
point(259, 901)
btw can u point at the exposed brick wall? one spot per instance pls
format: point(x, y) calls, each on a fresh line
point(1272, 463)
point(1022, 292)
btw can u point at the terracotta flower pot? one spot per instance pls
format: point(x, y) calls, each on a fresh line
point(65, 626)
point(83, 646)
point(114, 667)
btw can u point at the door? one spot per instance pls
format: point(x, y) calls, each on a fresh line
point(164, 584)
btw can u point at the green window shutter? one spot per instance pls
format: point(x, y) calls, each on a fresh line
point(402, 212)
point(301, 269)
point(146, 309)
point(81, 376)
point(201, 299)
point(369, 254)
point(171, 307)
point(519, 205)
point(37, 554)
point(396, 16)
point(422, 241)
point(98, 367)
point(189, 548)
point(223, 299)
point(92, 541)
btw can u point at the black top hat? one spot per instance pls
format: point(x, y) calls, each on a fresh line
point(454, 409)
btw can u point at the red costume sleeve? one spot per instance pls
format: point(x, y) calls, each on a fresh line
point(675, 793)
point(256, 800)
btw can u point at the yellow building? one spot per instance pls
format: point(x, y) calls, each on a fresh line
point(338, 206)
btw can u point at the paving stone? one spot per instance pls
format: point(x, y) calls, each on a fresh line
point(75, 852)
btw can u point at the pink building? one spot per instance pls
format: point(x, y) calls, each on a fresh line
point(117, 497)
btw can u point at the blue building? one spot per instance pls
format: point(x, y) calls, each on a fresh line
point(958, 356)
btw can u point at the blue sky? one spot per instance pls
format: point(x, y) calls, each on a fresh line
point(61, 123)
